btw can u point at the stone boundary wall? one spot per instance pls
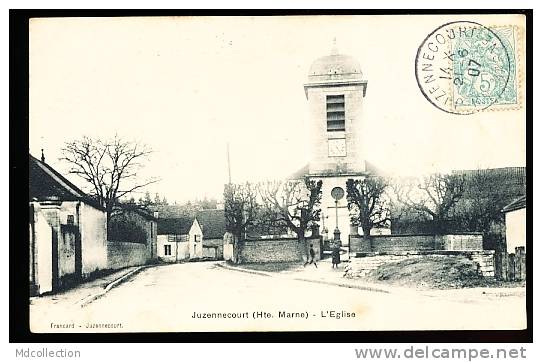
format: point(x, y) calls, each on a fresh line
point(277, 250)
point(123, 254)
point(363, 263)
point(415, 242)
point(465, 241)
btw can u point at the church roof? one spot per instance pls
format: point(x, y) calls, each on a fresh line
point(335, 67)
point(299, 174)
point(370, 169)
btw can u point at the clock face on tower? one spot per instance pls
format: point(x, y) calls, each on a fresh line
point(337, 147)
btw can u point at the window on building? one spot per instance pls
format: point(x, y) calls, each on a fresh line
point(70, 220)
point(335, 113)
point(167, 249)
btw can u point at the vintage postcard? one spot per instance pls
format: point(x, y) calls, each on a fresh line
point(278, 173)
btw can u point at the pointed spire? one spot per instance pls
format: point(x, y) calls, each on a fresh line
point(334, 50)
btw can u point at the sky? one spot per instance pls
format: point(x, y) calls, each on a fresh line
point(187, 86)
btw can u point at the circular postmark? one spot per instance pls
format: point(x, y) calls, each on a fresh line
point(462, 67)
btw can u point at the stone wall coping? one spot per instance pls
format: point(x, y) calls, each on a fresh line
point(409, 235)
point(428, 252)
point(281, 239)
point(125, 242)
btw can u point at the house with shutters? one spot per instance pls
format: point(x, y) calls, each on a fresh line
point(179, 238)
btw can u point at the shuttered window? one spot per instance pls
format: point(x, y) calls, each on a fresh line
point(335, 113)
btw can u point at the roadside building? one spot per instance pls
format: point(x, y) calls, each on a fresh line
point(68, 232)
point(213, 225)
point(179, 239)
point(516, 224)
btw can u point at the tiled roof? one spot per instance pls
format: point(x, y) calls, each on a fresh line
point(299, 174)
point(171, 211)
point(372, 169)
point(45, 183)
point(213, 223)
point(303, 171)
point(516, 204)
point(174, 226)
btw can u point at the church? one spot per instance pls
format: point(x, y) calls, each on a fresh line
point(335, 92)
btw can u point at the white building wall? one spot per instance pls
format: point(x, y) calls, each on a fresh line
point(162, 241)
point(516, 222)
point(43, 252)
point(183, 252)
point(93, 226)
point(228, 246)
point(179, 250)
point(195, 240)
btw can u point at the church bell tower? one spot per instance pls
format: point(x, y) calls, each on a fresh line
point(335, 91)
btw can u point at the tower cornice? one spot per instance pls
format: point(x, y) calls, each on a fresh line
point(335, 83)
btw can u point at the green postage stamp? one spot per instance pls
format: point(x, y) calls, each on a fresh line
point(464, 67)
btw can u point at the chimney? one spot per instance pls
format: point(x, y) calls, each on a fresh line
point(42, 156)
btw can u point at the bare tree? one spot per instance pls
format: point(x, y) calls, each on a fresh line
point(294, 203)
point(367, 202)
point(433, 196)
point(110, 167)
point(240, 209)
point(268, 223)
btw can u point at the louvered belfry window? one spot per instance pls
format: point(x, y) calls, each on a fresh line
point(335, 112)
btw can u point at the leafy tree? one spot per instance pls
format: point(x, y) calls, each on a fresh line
point(369, 207)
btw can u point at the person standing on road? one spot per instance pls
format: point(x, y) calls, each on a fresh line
point(311, 259)
point(335, 257)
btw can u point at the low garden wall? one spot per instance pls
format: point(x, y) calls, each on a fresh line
point(277, 250)
point(123, 254)
point(416, 242)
